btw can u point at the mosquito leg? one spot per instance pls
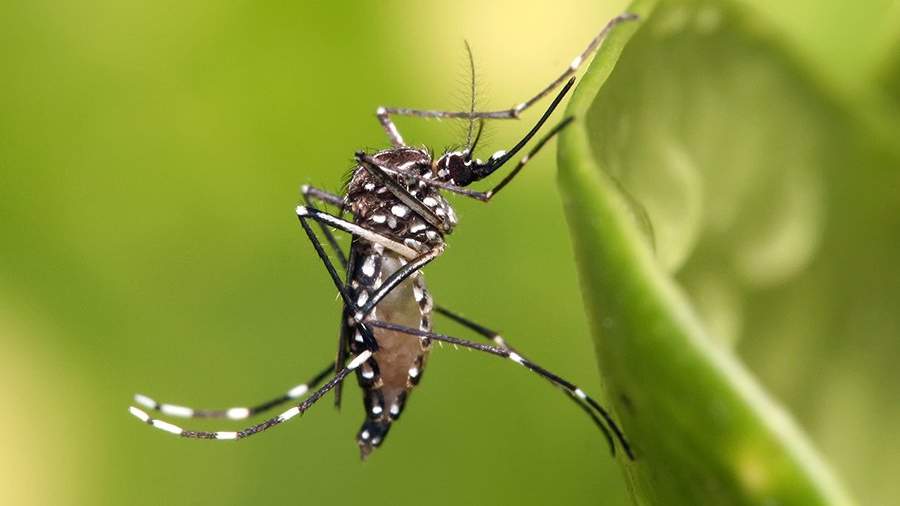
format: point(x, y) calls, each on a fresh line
point(501, 343)
point(260, 427)
point(309, 194)
point(384, 113)
point(312, 193)
point(515, 357)
point(384, 117)
point(236, 413)
point(304, 213)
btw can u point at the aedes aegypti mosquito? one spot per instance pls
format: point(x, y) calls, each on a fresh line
point(399, 220)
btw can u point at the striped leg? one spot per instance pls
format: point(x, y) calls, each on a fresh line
point(305, 213)
point(502, 344)
point(384, 113)
point(309, 194)
point(515, 357)
point(236, 413)
point(260, 427)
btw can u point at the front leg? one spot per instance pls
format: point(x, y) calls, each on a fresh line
point(304, 213)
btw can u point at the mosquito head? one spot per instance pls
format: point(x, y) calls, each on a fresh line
point(458, 168)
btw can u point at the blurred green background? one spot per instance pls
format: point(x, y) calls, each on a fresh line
point(150, 159)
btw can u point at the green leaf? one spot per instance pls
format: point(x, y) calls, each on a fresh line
point(695, 120)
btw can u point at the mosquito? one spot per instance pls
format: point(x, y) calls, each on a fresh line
point(398, 221)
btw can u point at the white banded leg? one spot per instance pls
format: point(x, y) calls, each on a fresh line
point(260, 427)
point(235, 413)
point(384, 113)
point(501, 343)
point(305, 212)
point(310, 194)
point(515, 357)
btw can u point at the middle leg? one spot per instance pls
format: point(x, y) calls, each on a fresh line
point(502, 344)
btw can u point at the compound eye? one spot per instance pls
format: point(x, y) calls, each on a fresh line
point(458, 169)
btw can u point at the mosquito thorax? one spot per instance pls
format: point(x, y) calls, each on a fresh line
point(377, 208)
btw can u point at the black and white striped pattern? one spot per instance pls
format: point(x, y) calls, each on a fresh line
point(235, 413)
point(260, 427)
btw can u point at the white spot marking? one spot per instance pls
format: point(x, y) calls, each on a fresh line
point(166, 426)
point(368, 373)
point(362, 299)
point(580, 393)
point(429, 201)
point(392, 222)
point(498, 155)
point(140, 415)
point(298, 390)
point(376, 410)
point(237, 413)
point(291, 413)
point(302, 211)
point(575, 62)
point(368, 267)
point(359, 337)
point(413, 372)
point(365, 434)
point(379, 218)
point(418, 227)
point(145, 401)
point(226, 435)
point(515, 357)
point(399, 211)
point(179, 411)
point(356, 362)
point(431, 234)
point(395, 409)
